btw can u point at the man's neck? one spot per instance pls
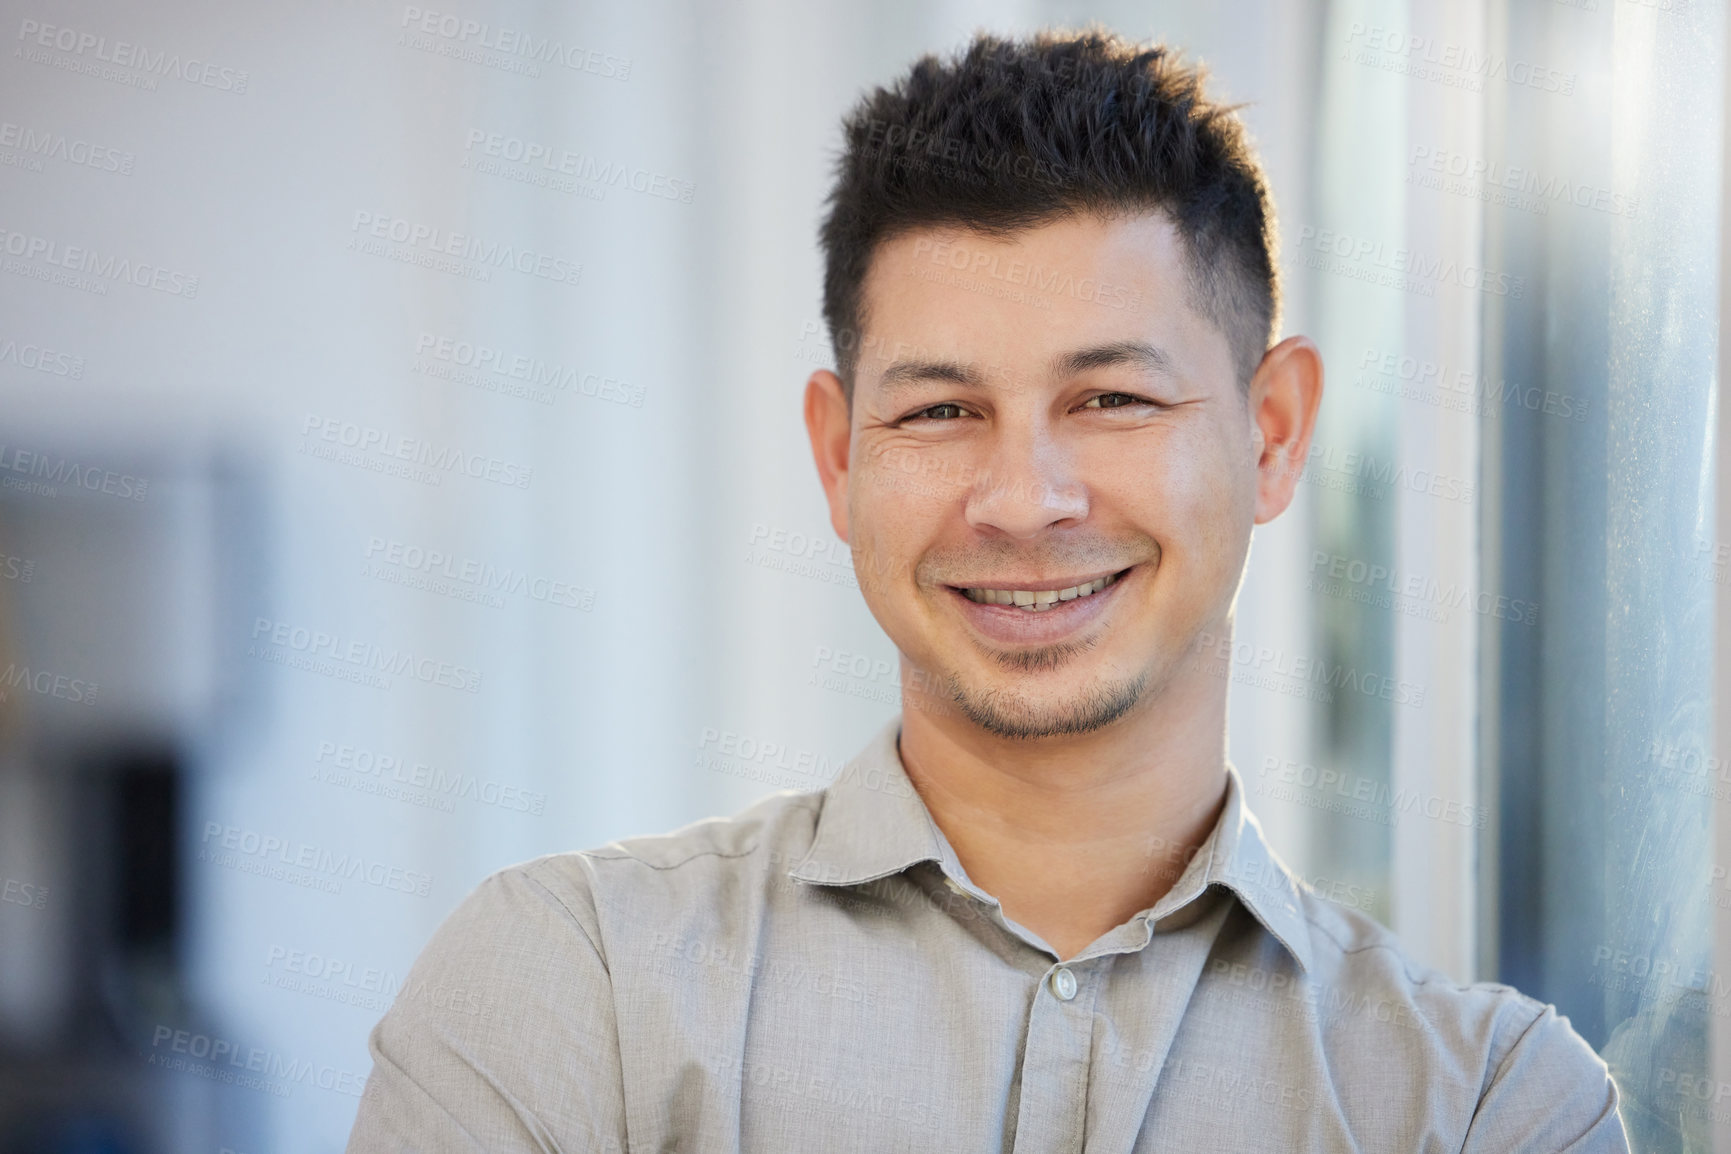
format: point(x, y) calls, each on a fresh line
point(1075, 835)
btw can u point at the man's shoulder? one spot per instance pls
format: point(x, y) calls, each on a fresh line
point(757, 842)
point(522, 1010)
point(578, 908)
point(1354, 952)
point(1508, 1047)
point(774, 824)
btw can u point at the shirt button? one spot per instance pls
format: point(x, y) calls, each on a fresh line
point(1064, 984)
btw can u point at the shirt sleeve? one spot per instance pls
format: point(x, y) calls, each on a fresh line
point(1551, 1092)
point(503, 1038)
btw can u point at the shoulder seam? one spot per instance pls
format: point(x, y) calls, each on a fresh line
point(1438, 978)
point(1492, 1075)
point(799, 799)
point(529, 877)
point(747, 852)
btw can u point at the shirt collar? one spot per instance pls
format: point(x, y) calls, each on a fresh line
point(1237, 856)
point(873, 823)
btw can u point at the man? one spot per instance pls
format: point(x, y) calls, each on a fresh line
point(1034, 914)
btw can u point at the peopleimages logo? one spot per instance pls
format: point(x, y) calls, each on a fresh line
point(223, 1060)
point(44, 144)
point(370, 447)
point(1463, 390)
point(466, 577)
point(1330, 571)
point(24, 894)
point(371, 988)
point(579, 166)
point(447, 357)
point(732, 746)
point(1387, 803)
point(445, 251)
point(46, 683)
point(41, 359)
point(45, 473)
point(88, 262)
point(513, 44)
point(1361, 258)
point(1456, 65)
point(83, 47)
point(1382, 472)
point(1476, 174)
point(359, 766)
point(281, 641)
point(253, 852)
point(1292, 673)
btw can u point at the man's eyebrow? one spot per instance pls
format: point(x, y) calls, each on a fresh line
point(904, 374)
point(911, 372)
point(1139, 353)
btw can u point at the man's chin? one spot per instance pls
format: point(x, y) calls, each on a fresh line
point(1019, 715)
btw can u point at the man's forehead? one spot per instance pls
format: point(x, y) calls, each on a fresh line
point(1147, 225)
point(905, 374)
point(948, 302)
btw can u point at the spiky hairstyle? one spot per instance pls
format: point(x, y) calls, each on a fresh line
point(1010, 134)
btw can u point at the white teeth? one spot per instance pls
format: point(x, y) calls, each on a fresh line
point(1037, 600)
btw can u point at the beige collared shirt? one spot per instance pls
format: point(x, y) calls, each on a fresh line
point(817, 974)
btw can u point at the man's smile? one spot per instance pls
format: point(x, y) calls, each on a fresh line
point(1017, 614)
point(1037, 594)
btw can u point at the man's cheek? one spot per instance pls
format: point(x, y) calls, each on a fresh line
point(1200, 514)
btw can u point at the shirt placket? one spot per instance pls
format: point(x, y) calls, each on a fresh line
point(1054, 1084)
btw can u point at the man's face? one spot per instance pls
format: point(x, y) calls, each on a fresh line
point(1033, 416)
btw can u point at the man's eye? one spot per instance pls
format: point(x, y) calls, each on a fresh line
point(949, 410)
point(1113, 401)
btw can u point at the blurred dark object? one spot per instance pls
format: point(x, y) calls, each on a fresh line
point(111, 597)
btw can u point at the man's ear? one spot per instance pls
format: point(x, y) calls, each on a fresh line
point(830, 426)
point(1285, 393)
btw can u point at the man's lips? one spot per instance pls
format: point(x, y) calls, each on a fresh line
point(1037, 594)
point(1058, 621)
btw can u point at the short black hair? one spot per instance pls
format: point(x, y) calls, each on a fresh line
point(1010, 134)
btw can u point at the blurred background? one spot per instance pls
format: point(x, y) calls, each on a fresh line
point(402, 475)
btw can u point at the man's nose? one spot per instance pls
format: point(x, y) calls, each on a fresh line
point(1027, 486)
